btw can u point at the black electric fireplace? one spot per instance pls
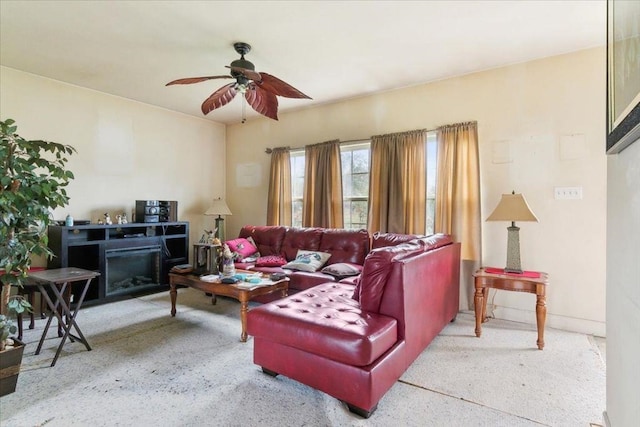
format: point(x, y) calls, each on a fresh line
point(131, 258)
point(132, 269)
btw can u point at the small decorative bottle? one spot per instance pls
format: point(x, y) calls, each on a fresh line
point(68, 221)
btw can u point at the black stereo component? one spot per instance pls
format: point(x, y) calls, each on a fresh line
point(156, 211)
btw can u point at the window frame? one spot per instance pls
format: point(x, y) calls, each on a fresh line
point(431, 159)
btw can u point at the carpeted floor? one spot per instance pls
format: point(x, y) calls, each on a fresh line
point(149, 369)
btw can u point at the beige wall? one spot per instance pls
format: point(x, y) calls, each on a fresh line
point(127, 151)
point(541, 125)
point(623, 287)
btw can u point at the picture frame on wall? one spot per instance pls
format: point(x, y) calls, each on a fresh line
point(623, 74)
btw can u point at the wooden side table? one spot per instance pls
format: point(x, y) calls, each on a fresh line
point(59, 281)
point(529, 281)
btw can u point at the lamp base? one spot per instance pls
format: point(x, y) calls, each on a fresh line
point(513, 250)
point(220, 228)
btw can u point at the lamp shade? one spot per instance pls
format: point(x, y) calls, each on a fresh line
point(512, 207)
point(218, 207)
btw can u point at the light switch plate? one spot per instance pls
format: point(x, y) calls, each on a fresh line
point(565, 193)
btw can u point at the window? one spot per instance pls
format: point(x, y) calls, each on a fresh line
point(297, 186)
point(356, 164)
point(431, 163)
point(355, 184)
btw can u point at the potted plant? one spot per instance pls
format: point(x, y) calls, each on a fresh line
point(33, 181)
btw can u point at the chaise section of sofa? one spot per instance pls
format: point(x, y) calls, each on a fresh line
point(353, 342)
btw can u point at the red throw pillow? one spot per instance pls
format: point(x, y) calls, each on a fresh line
point(271, 261)
point(242, 246)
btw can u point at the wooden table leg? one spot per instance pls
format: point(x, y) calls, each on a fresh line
point(541, 317)
point(244, 308)
point(485, 296)
point(479, 309)
point(174, 295)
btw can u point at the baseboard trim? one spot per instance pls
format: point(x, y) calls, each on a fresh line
point(583, 326)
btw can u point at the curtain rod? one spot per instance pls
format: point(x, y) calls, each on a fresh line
point(270, 150)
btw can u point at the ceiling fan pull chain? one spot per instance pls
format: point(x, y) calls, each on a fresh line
point(244, 109)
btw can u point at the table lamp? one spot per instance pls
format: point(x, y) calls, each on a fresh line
point(513, 207)
point(219, 207)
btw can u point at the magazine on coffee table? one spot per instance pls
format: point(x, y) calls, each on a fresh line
point(249, 285)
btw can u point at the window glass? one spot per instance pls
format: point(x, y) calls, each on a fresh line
point(297, 186)
point(432, 157)
point(355, 184)
point(356, 164)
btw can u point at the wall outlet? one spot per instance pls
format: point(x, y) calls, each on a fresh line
point(565, 193)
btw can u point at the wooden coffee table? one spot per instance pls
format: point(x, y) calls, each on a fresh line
point(243, 292)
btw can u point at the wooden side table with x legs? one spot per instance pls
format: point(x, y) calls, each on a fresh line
point(59, 280)
point(530, 281)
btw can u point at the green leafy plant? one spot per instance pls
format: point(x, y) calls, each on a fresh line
point(6, 327)
point(33, 181)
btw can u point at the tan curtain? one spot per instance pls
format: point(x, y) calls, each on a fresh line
point(322, 206)
point(397, 183)
point(279, 197)
point(458, 197)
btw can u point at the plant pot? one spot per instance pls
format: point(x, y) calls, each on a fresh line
point(10, 361)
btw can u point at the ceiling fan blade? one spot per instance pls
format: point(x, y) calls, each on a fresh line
point(249, 74)
point(278, 87)
point(190, 80)
point(219, 98)
point(262, 101)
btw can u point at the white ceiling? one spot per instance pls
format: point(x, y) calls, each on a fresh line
point(330, 50)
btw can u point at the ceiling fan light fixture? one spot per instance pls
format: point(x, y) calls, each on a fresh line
point(260, 90)
point(242, 63)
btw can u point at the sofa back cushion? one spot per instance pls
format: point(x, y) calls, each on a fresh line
point(268, 238)
point(375, 272)
point(434, 241)
point(345, 245)
point(381, 240)
point(295, 239)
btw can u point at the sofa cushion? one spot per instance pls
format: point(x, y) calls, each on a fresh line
point(308, 261)
point(434, 241)
point(268, 238)
point(302, 280)
point(353, 281)
point(341, 270)
point(345, 245)
point(376, 269)
point(325, 321)
point(300, 238)
point(381, 240)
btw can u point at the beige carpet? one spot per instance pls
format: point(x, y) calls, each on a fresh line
point(148, 369)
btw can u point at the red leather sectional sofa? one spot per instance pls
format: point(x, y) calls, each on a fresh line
point(353, 341)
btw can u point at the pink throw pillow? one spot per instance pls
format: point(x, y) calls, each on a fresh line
point(271, 261)
point(242, 246)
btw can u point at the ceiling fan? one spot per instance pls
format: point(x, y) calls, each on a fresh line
point(259, 89)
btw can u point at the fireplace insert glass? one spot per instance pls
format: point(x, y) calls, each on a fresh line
point(132, 269)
